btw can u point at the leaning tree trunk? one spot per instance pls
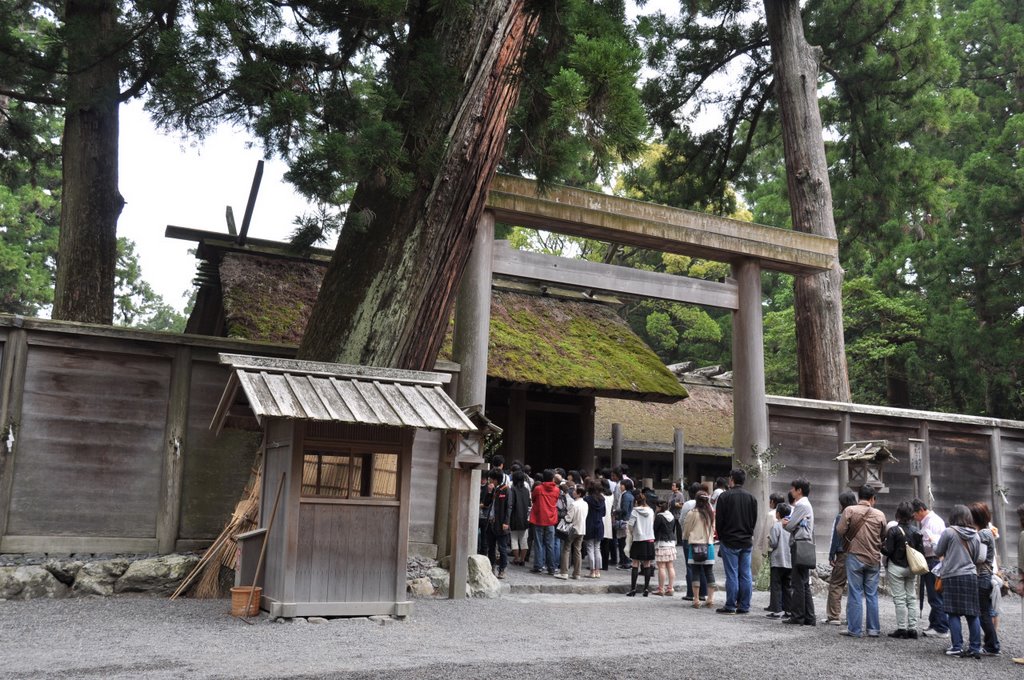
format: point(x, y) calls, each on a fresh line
point(388, 292)
point(90, 200)
point(821, 351)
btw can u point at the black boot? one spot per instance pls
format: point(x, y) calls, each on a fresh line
point(648, 572)
point(632, 582)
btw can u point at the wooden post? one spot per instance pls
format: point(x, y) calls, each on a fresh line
point(585, 457)
point(469, 350)
point(844, 436)
point(515, 434)
point(926, 473)
point(175, 437)
point(616, 445)
point(12, 390)
point(445, 476)
point(678, 471)
point(998, 504)
point(750, 405)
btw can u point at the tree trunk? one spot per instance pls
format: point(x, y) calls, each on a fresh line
point(90, 202)
point(821, 350)
point(388, 292)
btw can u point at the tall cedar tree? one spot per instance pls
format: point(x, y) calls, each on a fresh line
point(401, 111)
point(93, 48)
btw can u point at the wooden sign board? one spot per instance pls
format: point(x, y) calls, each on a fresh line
point(916, 450)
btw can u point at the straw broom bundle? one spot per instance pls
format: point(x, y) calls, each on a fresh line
point(224, 549)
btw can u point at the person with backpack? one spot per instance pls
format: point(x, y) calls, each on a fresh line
point(520, 520)
point(961, 550)
point(902, 580)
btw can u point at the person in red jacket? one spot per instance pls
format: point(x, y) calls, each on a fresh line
point(544, 517)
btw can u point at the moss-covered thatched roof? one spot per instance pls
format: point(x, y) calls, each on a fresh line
point(706, 419)
point(573, 345)
point(567, 345)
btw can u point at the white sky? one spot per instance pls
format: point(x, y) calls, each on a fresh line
point(165, 180)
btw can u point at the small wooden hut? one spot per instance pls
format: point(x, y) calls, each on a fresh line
point(338, 447)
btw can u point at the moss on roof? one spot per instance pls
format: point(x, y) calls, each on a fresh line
point(573, 345)
point(547, 342)
point(706, 419)
point(268, 299)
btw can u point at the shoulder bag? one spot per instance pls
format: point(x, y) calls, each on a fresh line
point(804, 554)
point(562, 529)
point(915, 559)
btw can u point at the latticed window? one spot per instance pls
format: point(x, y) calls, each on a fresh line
point(332, 474)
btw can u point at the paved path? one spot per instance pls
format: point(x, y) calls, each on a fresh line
point(525, 637)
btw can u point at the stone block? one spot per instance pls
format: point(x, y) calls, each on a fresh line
point(158, 575)
point(29, 582)
point(481, 582)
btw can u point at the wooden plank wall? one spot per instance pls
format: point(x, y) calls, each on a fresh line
point(426, 454)
point(217, 468)
point(961, 467)
point(347, 553)
point(1013, 480)
point(807, 447)
point(90, 453)
point(897, 475)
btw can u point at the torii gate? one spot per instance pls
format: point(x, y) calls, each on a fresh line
point(746, 246)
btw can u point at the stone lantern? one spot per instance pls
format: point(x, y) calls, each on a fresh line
point(864, 462)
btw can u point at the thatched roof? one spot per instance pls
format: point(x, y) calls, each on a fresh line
point(574, 345)
point(705, 417)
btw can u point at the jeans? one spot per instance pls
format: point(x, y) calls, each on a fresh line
point(956, 636)
point(937, 618)
point(544, 556)
point(985, 601)
point(836, 585)
point(781, 590)
point(904, 595)
point(691, 573)
point(594, 553)
point(497, 539)
point(862, 582)
point(624, 560)
point(739, 582)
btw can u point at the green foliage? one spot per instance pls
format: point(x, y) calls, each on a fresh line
point(135, 302)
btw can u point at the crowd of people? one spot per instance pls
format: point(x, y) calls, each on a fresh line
point(558, 517)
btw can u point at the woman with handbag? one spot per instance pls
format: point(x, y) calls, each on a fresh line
point(961, 550)
point(699, 533)
point(902, 580)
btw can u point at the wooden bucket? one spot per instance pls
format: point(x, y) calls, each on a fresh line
point(239, 598)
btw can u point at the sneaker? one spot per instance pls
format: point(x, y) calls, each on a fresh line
point(536, 571)
point(501, 574)
point(986, 652)
point(847, 633)
point(898, 634)
point(723, 610)
point(793, 622)
point(931, 632)
point(833, 622)
point(767, 609)
point(873, 634)
point(954, 651)
point(967, 654)
point(774, 615)
point(742, 611)
point(563, 577)
point(911, 634)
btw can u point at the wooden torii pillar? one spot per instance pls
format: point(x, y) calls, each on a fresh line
point(748, 247)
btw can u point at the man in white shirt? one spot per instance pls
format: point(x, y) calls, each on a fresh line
point(932, 527)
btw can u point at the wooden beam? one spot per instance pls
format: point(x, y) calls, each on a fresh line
point(998, 503)
point(12, 390)
point(168, 519)
point(76, 544)
point(518, 201)
point(611, 278)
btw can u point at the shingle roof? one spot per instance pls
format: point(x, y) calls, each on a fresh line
point(308, 390)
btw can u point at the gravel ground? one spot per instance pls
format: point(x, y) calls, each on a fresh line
point(523, 637)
